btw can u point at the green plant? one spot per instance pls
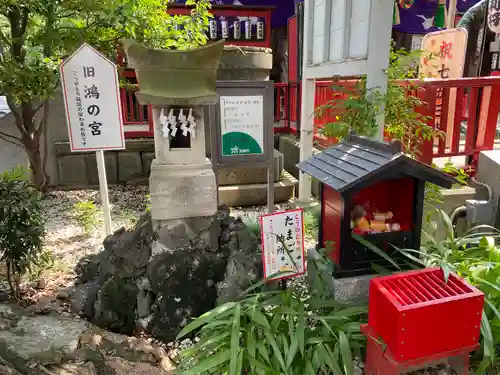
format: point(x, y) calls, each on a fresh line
point(22, 226)
point(253, 225)
point(46, 261)
point(357, 108)
point(433, 193)
point(476, 257)
point(311, 221)
point(295, 331)
point(37, 35)
point(86, 215)
point(148, 202)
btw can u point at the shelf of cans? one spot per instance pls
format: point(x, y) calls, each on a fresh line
point(239, 25)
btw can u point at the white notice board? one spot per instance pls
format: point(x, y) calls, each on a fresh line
point(242, 125)
point(283, 243)
point(92, 101)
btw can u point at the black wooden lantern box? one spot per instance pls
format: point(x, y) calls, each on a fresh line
point(372, 189)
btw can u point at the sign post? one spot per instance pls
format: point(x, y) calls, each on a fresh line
point(93, 111)
point(243, 128)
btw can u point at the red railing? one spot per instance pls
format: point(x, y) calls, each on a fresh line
point(466, 110)
point(469, 119)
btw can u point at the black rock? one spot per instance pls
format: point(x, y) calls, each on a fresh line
point(126, 253)
point(180, 283)
point(115, 307)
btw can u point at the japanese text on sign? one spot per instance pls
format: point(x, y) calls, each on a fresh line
point(283, 244)
point(242, 128)
point(90, 86)
point(494, 16)
point(443, 58)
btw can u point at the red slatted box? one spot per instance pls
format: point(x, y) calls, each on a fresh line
point(417, 314)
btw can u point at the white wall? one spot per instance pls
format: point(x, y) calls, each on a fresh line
point(10, 155)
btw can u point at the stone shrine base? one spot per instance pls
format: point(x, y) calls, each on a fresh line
point(182, 190)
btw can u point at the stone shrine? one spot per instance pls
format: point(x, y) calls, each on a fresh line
point(178, 84)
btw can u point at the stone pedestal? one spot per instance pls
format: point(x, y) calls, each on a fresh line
point(182, 191)
point(182, 181)
point(245, 63)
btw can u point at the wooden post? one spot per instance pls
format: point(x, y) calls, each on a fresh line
point(103, 185)
point(452, 11)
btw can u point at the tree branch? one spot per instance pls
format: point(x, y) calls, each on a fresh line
point(24, 20)
point(11, 139)
point(37, 109)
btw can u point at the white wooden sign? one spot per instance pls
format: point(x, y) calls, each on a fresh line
point(283, 244)
point(93, 111)
point(92, 100)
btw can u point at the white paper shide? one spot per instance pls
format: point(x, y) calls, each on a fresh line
point(92, 101)
point(283, 243)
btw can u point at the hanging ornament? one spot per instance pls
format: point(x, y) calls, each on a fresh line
point(405, 4)
point(396, 20)
point(440, 17)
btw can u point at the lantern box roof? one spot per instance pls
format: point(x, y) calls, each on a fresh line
point(356, 162)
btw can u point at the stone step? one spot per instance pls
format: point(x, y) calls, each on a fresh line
point(251, 175)
point(256, 194)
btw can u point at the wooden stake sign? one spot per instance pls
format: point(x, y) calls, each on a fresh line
point(444, 54)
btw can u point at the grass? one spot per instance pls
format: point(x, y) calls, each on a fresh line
point(311, 221)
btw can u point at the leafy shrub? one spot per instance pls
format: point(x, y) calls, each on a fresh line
point(148, 202)
point(22, 226)
point(433, 195)
point(357, 108)
point(86, 215)
point(276, 332)
point(253, 224)
point(311, 221)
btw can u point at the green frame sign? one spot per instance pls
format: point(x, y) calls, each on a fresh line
point(242, 127)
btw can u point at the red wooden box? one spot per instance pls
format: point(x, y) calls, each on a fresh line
point(417, 314)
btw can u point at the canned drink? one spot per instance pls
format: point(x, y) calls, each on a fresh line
point(213, 29)
point(260, 30)
point(237, 29)
point(248, 29)
point(224, 29)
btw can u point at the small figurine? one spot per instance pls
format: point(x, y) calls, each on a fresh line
point(361, 223)
point(383, 216)
point(358, 219)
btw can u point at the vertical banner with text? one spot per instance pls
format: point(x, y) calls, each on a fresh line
point(283, 244)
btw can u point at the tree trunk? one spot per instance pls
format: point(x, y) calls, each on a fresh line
point(36, 162)
point(38, 176)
